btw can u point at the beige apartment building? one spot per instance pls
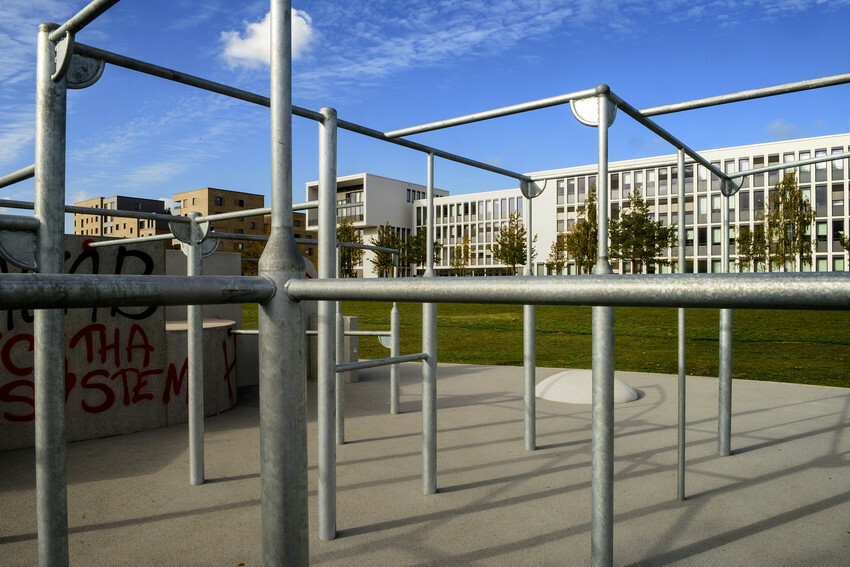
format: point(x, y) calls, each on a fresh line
point(120, 227)
point(212, 201)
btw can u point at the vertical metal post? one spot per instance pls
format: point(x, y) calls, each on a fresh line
point(49, 325)
point(682, 379)
point(602, 462)
point(195, 347)
point(724, 411)
point(429, 365)
point(395, 346)
point(340, 357)
point(326, 327)
point(283, 395)
point(529, 347)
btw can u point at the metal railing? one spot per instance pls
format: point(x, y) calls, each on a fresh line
point(281, 287)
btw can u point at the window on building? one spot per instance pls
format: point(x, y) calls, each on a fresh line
point(837, 233)
point(805, 170)
point(744, 205)
point(820, 200)
point(560, 191)
point(615, 186)
point(837, 165)
point(744, 165)
point(820, 232)
point(662, 181)
point(571, 190)
point(820, 167)
point(758, 179)
point(773, 176)
point(837, 199)
point(218, 201)
point(193, 201)
point(408, 195)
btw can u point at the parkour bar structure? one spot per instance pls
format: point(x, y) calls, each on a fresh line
point(281, 287)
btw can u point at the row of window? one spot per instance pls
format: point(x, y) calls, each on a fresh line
point(662, 180)
point(490, 209)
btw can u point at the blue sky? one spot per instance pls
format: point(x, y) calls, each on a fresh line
point(389, 64)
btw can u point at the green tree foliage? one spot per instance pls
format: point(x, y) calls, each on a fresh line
point(581, 241)
point(636, 238)
point(509, 247)
point(788, 223)
point(251, 253)
point(461, 255)
point(382, 262)
point(414, 249)
point(557, 259)
point(751, 248)
point(349, 257)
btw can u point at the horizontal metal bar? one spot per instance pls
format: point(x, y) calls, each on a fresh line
point(352, 127)
point(658, 130)
point(358, 333)
point(82, 18)
point(17, 176)
point(829, 290)
point(235, 215)
point(124, 214)
point(789, 165)
point(313, 333)
point(494, 113)
point(124, 241)
point(234, 236)
point(18, 222)
point(170, 74)
point(57, 291)
point(749, 95)
point(367, 247)
point(305, 205)
point(380, 362)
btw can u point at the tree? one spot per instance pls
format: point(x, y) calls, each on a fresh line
point(383, 262)
point(751, 248)
point(636, 238)
point(251, 253)
point(461, 255)
point(414, 249)
point(509, 247)
point(349, 257)
point(557, 255)
point(788, 224)
point(581, 241)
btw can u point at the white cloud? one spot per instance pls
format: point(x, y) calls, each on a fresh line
point(251, 47)
point(779, 129)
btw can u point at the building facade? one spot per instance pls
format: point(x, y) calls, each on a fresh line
point(370, 201)
point(479, 216)
point(212, 201)
point(120, 227)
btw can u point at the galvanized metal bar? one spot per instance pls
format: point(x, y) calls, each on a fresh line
point(283, 396)
point(195, 344)
point(212, 86)
point(395, 346)
point(82, 18)
point(305, 205)
point(724, 420)
point(749, 95)
point(724, 425)
point(602, 413)
point(808, 290)
point(326, 350)
point(429, 347)
point(358, 333)
point(529, 347)
point(340, 357)
point(60, 291)
point(377, 362)
point(235, 214)
point(682, 383)
point(788, 165)
point(20, 223)
point(49, 325)
point(495, 113)
point(17, 176)
point(665, 135)
point(125, 214)
point(126, 241)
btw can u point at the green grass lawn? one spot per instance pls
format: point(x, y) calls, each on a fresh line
point(808, 347)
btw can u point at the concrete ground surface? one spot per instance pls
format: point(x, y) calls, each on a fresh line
point(783, 498)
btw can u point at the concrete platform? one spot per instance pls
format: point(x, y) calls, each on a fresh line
point(783, 498)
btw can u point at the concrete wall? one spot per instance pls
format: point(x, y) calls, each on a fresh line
point(218, 264)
